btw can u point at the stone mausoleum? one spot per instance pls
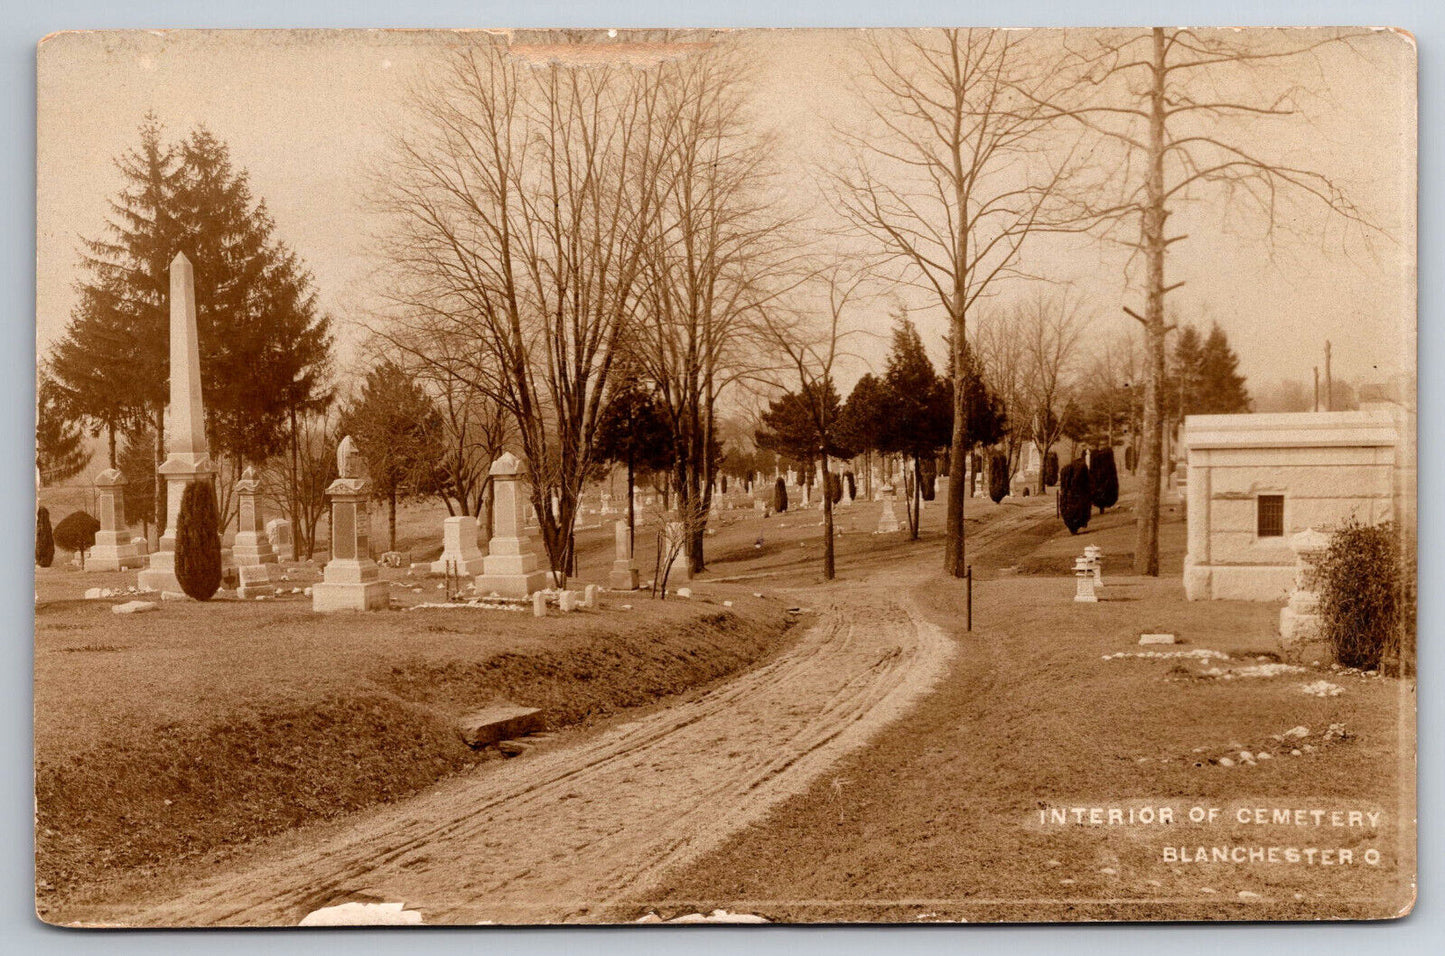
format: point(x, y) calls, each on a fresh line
point(1255, 481)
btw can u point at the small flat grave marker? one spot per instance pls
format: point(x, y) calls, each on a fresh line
point(1156, 638)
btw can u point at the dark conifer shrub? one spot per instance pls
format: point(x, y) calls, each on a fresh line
point(852, 484)
point(997, 476)
point(1051, 469)
point(835, 487)
point(780, 494)
point(1103, 479)
point(1075, 504)
point(198, 542)
point(44, 539)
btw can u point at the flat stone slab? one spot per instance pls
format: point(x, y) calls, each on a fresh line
point(1156, 638)
point(500, 722)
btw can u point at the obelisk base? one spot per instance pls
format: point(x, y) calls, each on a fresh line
point(510, 575)
point(354, 596)
point(624, 577)
point(113, 551)
point(179, 469)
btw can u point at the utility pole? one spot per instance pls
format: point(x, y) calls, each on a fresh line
point(1317, 388)
point(1329, 381)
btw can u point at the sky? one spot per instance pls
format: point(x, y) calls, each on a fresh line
point(307, 113)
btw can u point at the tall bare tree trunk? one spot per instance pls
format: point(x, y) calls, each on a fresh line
point(158, 491)
point(1146, 537)
point(828, 569)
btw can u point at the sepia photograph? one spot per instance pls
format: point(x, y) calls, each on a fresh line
point(743, 476)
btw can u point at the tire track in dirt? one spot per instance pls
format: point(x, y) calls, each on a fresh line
point(581, 832)
point(575, 833)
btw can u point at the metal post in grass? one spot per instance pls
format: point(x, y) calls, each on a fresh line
point(968, 618)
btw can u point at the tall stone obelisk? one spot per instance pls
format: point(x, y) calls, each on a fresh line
point(187, 456)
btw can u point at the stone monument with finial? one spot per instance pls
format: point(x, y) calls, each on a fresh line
point(511, 567)
point(351, 581)
point(113, 550)
point(252, 549)
point(187, 456)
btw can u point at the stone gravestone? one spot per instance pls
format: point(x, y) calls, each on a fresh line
point(459, 546)
point(677, 570)
point(1084, 581)
point(114, 549)
point(351, 580)
point(511, 567)
point(1299, 620)
point(888, 518)
point(278, 532)
point(188, 457)
point(252, 549)
point(624, 576)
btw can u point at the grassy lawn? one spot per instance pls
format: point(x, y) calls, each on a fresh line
point(173, 736)
point(940, 818)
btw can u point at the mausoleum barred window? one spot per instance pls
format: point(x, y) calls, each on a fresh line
point(1270, 516)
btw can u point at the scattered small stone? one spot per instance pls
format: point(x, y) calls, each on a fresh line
point(1246, 756)
point(1109, 871)
point(1322, 688)
point(1066, 881)
point(727, 604)
point(1300, 731)
point(1226, 762)
point(1053, 863)
point(133, 607)
point(93, 594)
point(684, 592)
point(1262, 755)
point(757, 594)
point(1207, 889)
point(306, 592)
point(1248, 895)
point(174, 596)
point(1296, 752)
point(1156, 638)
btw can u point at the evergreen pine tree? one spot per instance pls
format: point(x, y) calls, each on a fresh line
point(264, 346)
point(198, 542)
point(111, 364)
point(632, 431)
point(60, 451)
point(397, 429)
point(1220, 388)
point(917, 411)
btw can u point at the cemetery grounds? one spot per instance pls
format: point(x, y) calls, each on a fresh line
point(773, 745)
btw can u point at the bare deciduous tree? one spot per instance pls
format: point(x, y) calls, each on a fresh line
point(1182, 106)
point(1049, 329)
point(809, 348)
point(950, 181)
point(520, 208)
point(713, 258)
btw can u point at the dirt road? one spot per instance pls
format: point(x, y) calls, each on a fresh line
point(581, 830)
point(578, 832)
